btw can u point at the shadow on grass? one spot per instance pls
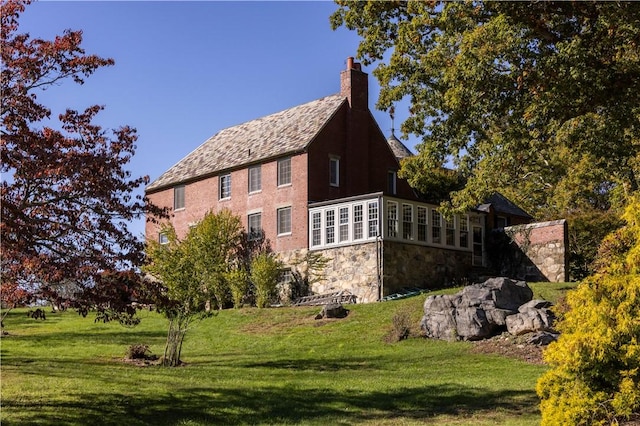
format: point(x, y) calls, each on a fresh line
point(274, 405)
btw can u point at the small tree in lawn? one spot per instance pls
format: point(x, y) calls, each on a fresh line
point(265, 270)
point(192, 272)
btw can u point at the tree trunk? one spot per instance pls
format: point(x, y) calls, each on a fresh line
point(175, 336)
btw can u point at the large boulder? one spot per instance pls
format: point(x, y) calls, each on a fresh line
point(440, 323)
point(476, 312)
point(531, 317)
point(500, 292)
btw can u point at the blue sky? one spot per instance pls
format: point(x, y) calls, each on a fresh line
point(186, 70)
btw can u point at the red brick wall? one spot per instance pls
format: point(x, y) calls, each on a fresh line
point(202, 196)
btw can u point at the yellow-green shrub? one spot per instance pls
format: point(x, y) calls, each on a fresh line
point(595, 375)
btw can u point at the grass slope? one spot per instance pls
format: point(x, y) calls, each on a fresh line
point(251, 366)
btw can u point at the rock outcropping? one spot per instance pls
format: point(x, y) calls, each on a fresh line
point(483, 310)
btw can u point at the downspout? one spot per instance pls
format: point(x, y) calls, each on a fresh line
point(379, 257)
point(380, 250)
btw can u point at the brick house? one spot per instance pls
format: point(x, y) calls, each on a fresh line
point(323, 177)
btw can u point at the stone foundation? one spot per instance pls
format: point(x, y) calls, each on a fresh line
point(352, 268)
point(408, 265)
point(365, 269)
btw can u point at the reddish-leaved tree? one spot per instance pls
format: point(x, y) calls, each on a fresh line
point(67, 197)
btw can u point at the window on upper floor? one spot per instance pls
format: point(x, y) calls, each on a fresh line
point(391, 182)
point(254, 226)
point(284, 171)
point(255, 178)
point(178, 197)
point(284, 220)
point(334, 171)
point(225, 186)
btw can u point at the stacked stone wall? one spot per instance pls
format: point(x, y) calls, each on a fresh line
point(415, 266)
point(352, 268)
point(544, 251)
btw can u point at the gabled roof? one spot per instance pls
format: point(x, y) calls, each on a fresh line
point(282, 133)
point(502, 204)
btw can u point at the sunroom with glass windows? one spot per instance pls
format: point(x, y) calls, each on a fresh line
point(372, 217)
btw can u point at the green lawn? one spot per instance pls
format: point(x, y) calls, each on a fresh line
point(251, 366)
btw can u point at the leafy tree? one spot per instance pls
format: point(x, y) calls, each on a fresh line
point(265, 270)
point(238, 280)
point(586, 231)
point(215, 246)
point(192, 271)
point(536, 99)
point(67, 197)
point(595, 375)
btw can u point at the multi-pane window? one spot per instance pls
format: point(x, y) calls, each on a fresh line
point(255, 178)
point(284, 220)
point(422, 223)
point(464, 232)
point(391, 182)
point(254, 225)
point(316, 229)
point(178, 197)
point(450, 226)
point(330, 224)
point(392, 219)
point(373, 219)
point(358, 232)
point(334, 171)
point(163, 238)
point(286, 277)
point(407, 222)
point(284, 171)
point(343, 230)
point(436, 227)
point(225, 186)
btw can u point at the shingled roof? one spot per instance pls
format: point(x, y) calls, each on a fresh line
point(502, 204)
point(282, 133)
point(398, 148)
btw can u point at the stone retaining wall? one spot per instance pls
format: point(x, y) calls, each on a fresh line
point(543, 251)
point(408, 265)
point(352, 268)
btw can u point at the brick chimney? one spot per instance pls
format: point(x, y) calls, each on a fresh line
point(355, 86)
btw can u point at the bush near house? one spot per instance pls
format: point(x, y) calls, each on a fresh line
point(595, 377)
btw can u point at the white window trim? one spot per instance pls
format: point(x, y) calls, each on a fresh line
point(382, 222)
point(278, 221)
point(220, 179)
point(184, 197)
point(280, 161)
point(260, 231)
point(249, 169)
